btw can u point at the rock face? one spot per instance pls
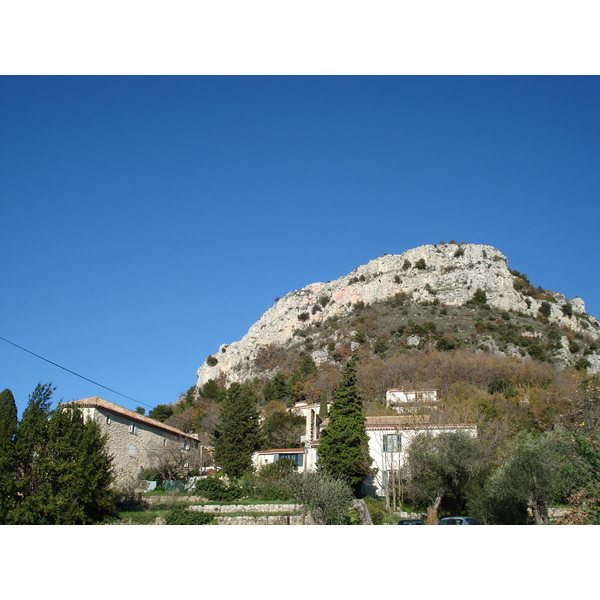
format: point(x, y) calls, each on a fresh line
point(450, 273)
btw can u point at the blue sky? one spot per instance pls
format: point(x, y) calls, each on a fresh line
point(147, 220)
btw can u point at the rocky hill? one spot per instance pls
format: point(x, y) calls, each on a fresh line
point(447, 295)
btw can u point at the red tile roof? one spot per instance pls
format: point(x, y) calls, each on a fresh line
point(96, 402)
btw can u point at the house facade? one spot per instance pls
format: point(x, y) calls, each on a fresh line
point(137, 442)
point(390, 438)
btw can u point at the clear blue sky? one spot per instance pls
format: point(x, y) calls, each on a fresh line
point(145, 221)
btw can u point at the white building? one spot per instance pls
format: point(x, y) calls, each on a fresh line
point(411, 400)
point(390, 438)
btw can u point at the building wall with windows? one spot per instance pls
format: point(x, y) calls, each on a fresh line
point(390, 438)
point(137, 442)
point(268, 457)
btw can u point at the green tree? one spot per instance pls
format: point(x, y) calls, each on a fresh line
point(308, 366)
point(328, 499)
point(380, 347)
point(323, 406)
point(30, 446)
point(8, 429)
point(8, 417)
point(531, 472)
point(344, 446)
point(283, 430)
point(238, 434)
point(63, 472)
point(161, 412)
point(441, 469)
point(276, 388)
point(479, 297)
point(545, 309)
point(213, 391)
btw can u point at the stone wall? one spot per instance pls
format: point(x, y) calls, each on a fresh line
point(256, 508)
point(135, 446)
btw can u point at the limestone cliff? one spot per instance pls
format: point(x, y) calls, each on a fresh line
point(447, 273)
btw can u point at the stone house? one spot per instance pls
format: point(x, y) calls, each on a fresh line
point(137, 442)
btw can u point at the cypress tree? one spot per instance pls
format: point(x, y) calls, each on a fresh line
point(238, 434)
point(323, 406)
point(344, 446)
point(8, 429)
point(8, 417)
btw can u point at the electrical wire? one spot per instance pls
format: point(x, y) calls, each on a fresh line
point(189, 421)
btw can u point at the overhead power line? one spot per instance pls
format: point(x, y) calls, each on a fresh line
point(72, 372)
point(86, 378)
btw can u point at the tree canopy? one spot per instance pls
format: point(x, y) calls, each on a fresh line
point(238, 434)
point(60, 467)
point(441, 468)
point(344, 447)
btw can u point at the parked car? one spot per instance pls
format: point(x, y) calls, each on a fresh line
point(411, 522)
point(459, 521)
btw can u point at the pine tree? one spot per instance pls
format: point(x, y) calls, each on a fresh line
point(62, 469)
point(8, 429)
point(32, 491)
point(344, 446)
point(78, 470)
point(238, 434)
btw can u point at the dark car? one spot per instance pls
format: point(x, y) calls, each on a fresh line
point(459, 521)
point(411, 522)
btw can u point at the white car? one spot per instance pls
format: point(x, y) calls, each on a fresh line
point(459, 521)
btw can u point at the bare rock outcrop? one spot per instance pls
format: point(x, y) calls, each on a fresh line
point(451, 273)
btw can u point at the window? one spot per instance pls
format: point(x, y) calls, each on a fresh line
point(392, 442)
point(297, 458)
point(132, 428)
point(185, 445)
point(108, 419)
point(132, 450)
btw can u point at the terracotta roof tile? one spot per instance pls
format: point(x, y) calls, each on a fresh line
point(95, 402)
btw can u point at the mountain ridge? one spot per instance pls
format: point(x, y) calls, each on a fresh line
point(445, 274)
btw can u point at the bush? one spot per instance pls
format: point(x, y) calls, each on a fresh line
point(420, 264)
point(545, 309)
point(211, 361)
point(277, 470)
point(376, 509)
point(328, 499)
point(479, 297)
point(215, 489)
point(182, 516)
